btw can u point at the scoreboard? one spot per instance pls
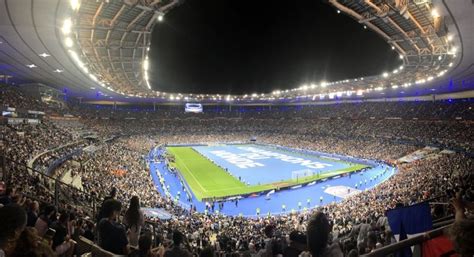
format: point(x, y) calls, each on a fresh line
point(193, 107)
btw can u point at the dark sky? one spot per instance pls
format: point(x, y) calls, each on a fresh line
point(229, 47)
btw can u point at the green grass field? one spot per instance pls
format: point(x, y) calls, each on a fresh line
point(208, 180)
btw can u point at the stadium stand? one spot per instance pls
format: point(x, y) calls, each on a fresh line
point(74, 177)
point(365, 137)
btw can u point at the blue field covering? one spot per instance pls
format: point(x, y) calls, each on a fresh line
point(253, 167)
point(293, 199)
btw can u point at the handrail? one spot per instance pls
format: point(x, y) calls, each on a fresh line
point(58, 184)
point(384, 251)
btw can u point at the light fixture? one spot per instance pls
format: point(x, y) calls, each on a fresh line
point(74, 4)
point(435, 13)
point(450, 37)
point(44, 55)
point(401, 57)
point(385, 74)
point(31, 66)
point(338, 11)
point(67, 25)
point(365, 27)
point(58, 70)
point(68, 42)
point(160, 17)
point(393, 48)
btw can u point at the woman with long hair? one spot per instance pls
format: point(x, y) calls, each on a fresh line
point(134, 220)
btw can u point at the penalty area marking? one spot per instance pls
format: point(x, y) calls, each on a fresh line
point(341, 191)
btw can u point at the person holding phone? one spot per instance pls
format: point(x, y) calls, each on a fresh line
point(63, 245)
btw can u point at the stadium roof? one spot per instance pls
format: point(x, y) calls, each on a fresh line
point(98, 48)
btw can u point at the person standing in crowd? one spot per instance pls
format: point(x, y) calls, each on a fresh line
point(45, 219)
point(461, 233)
point(112, 195)
point(134, 220)
point(62, 243)
point(112, 235)
point(177, 250)
point(317, 233)
point(13, 222)
point(33, 211)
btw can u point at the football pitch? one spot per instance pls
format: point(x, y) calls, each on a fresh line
point(229, 170)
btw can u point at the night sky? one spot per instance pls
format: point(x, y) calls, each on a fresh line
point(238, 47)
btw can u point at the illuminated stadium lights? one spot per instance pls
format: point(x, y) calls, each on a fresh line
point(400, 56)
point(160, 17)
point(146, 64)
point(429, 78)
point(58, 70)
point(31, 66)
point(378, 88)
point(393, 48)
point(324, 84)
point(75, 4)
point(44, 55)
point(435, 13)
point(365, 27)
point(385, 74)
point(67, 26)
point(394, 87)
point(313, 86)
point(450, 37)
point(254, 95)
point(453, 50)
point(450, 64)
point(68, 42)
point(439, 58)
point(421, 81)
point(395, 71)
point(338, 11)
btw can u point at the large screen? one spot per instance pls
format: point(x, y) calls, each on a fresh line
point(193, 107)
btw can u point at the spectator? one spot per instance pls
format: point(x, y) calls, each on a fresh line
point(28, 245)
point(62, 243)
point(33, 211)
point(462, 231)
point(296, 246)
point(112, 235)
point(45, 219)
point(176, 250)
point(134, 220)
point(318, 233)
point(13, 222)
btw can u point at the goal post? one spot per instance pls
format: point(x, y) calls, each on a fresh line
point(299, 174)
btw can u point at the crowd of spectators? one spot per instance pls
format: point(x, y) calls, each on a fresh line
point(115, 177)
